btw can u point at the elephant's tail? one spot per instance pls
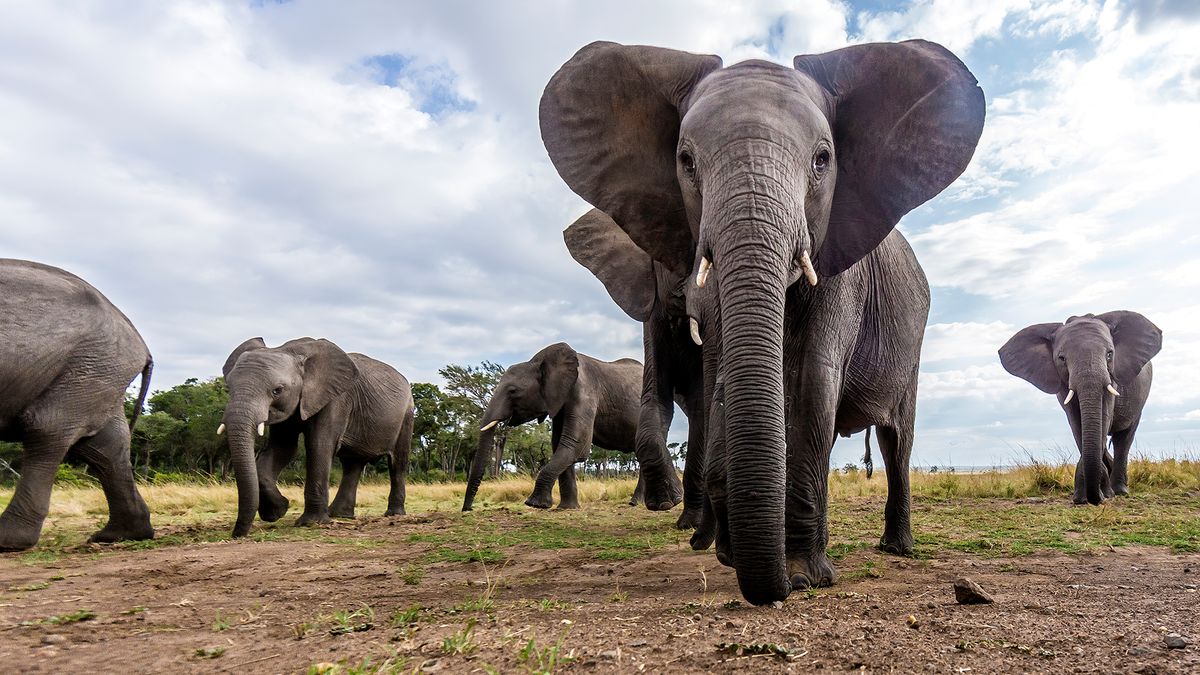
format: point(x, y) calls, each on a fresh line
point(145, 388)
point(870, 466)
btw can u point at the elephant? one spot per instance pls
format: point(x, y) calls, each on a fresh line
point(752, 178)
point(1099, 367)
point(67, 354)
point(348, 405)
point(588, 400)
point(651, 293)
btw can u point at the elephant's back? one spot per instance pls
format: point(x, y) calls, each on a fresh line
point(382, 399)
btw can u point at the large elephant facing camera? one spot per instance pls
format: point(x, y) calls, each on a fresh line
point(588, 401)
point(1098, 365)
point(348, 405)
point(67, 355)
point(754, 177)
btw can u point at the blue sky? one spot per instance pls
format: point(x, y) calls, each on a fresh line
point(372, 173)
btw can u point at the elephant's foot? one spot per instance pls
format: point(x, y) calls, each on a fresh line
point(271, 509)
point(1108, 492)
point(399, 511)
point(810, 571)
point(313, 519)
point(897, 543)
point(538, 502)
point(1120, 489)
point(337, 511)
point(14, 539)
point(112, 533)
point(689, 519)
point(636, 499)
point(662, 494)
point(703, 537)
point(1081, 499)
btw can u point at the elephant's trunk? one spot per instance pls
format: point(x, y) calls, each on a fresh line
point(1092, 431)
point(495, 414)
point(752, 269)
point(241, 424)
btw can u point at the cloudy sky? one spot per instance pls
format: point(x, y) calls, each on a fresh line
point(372, 173)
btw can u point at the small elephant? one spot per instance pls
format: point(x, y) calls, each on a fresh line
point(348, 405)
point(1099, 367)
point(588, 400)
point(66, 357)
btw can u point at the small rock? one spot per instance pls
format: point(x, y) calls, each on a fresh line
point(614, 654)
point(1138, 650)
point(638, 643)
point(931, 605)
point(913, 622)
point(1175, 641)
point(53, 639)
point(967, 592)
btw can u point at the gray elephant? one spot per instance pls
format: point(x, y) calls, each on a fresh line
point(66, 357)
point(588, 401)
point(651, 293)
point(348, 405)
point(1099, 367)
point(754, 177)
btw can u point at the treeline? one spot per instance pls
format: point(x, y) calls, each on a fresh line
point(176, 439)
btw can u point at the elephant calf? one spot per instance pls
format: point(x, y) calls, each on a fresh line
point(589, 401)
point(348, 405)
point(66, 357)
point(1099, 367)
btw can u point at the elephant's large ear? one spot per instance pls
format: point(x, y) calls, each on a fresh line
point(906, 119)
point(627, 272)
point(1135, 340)
point(610, 121)
point(559, 370)
point(328, 372)
point(1029, 356)
point(247, 346)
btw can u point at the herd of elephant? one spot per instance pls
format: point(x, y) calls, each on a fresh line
point(744, 215)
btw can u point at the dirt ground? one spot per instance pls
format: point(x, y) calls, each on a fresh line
point(273, 606)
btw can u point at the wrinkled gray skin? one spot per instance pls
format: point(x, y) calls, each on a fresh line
point(750, 167)
point(673, 373)
point(66, 357)
point(1087, 354)
point(588, 400)
point(348, 405)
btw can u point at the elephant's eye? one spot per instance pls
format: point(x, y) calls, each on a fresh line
point(277, 391)
point(1062, 357)
point(820, 163)
point(1109, 356)
point(688, 162)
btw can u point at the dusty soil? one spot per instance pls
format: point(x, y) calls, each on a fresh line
point(271, 606)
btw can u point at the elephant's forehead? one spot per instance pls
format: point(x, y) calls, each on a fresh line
point(1083, 330)
point(264, 360)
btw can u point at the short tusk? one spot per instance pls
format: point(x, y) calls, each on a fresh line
point(1070, 395)
point(809, 272)
point(1113, 390)
point(489, 425)
point(694, 327)
point(262, 428)
point(221, 429)
point(702, 273)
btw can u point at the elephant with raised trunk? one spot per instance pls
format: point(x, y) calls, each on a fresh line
point(753, 178)
point(348, 405)
point(1098, 365)
point(67, 355)
point(588, 401)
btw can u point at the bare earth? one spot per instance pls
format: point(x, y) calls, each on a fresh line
point(271, 605)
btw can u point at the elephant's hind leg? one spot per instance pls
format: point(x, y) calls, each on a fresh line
point(639, 491)
point(107, 454)
point(568, 491)
point(1121, 441)
point(21, 522)
point(347, 495)
point(398, 467)
point(895, 445)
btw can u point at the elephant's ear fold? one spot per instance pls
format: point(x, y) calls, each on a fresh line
point(906, 119)
point(1029, 356)
point(627, 272)
point(247, 346)
point(559, 370)
point(1135, 340)
point(328, 372)
point(610, 121)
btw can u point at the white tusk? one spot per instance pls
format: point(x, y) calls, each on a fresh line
point(1113, 390)
point(262, 428)
point(1070, 395)
point(695, 329)
point(809, 272)
point(702, 273)
point(221, 429)
point(489, 425)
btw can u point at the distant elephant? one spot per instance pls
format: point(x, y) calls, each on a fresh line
point(348, 405)
point(66, 357)
point(752, 178)
point(651, 293)
point(1099, 367)
point(588, 400)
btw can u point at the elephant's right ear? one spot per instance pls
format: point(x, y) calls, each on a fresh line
point(247, 346)
point(1029, 356)
point(610, 122)
point(627, 272)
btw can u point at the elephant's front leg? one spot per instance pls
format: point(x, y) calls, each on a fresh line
point(347, 494)
point(662, 488)
point(571, 437)
point(568, 491)
point(1121, 441)
point(281, 448)
point(320, 445)
point(693, 468)
point(811, 415)
point(21, 522)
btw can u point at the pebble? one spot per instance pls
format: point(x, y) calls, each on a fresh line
point(1175, 641)
point(53, 639)
point(967, 592)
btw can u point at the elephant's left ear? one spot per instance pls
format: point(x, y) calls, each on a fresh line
point(627, 272)
point(1136, 340)
point(559, 365)
point(328, 372)
point(906, 119)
